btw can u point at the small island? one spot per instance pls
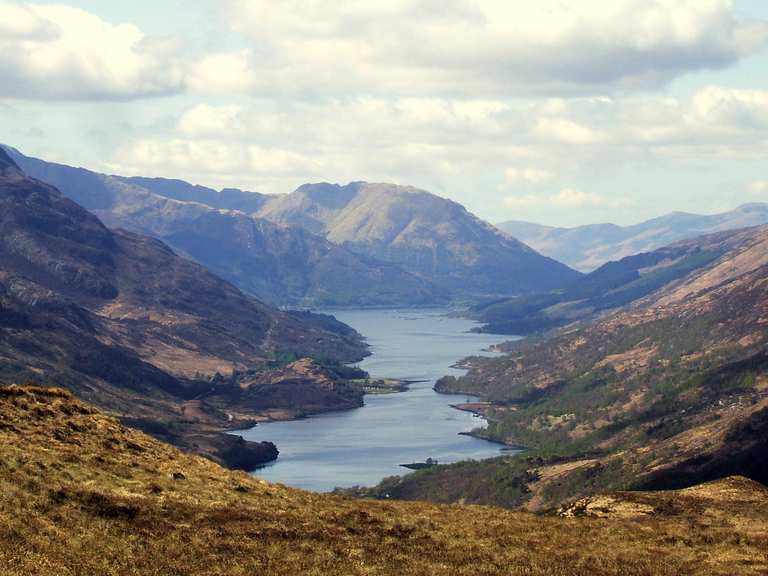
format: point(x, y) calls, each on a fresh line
point(428, 463)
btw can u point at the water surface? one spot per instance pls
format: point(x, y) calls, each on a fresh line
point(363, 446)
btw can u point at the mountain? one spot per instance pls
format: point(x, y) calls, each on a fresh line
point(279, 264)
point(613, 285)
point(81, 494)
point(124, 322)
point(667, 392)
point(427, 235)
point(322, 245)
point(587, 247)
point(226, 199)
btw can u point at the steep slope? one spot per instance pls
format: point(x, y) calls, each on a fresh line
point(612, 285)
point(126, 323)
point(80, 495)
point(425, 234)
point(665, 393)
point(587, 247)
point(281, 265)
point(126, 278)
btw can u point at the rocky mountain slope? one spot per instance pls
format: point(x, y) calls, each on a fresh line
point(423, 233)
point(588, 247)
point(667, 392)
point(613, 285)
point(281, 265)
point(124, 322)
point(80, 495)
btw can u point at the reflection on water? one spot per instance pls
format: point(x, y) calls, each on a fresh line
point(363, 446)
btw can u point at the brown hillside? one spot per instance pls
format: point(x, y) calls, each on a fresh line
point(80, 495)
point(665, 393)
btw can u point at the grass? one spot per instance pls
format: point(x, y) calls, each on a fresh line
point(80, 494)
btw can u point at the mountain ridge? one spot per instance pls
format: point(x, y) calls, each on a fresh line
point(425, 234)
point(587, 247)
point(612, 285)
point(284, 266)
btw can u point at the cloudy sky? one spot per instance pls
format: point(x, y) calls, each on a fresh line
point(562, 112)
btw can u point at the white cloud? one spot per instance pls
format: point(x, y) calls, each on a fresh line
point(566, 198)
point(223, 74)
point(59, 52)
point(758, 188)
point(570, 198)
point(524, 201)
point(712, 120)
point(477, 50)
point(221, 163)
point(526, 176)
point(567, 131)
point(475, 47)
point(206, 120)
point(475, 148)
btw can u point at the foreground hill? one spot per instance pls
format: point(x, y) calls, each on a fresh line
point(613, 285)
point(423, 233)
point(281, 265)
point(81, 495)
point(588, 247)
point(126, 323)
point(667, 392)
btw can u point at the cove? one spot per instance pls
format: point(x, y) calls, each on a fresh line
point(365, 445)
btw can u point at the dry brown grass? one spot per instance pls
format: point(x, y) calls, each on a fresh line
point(82, 495)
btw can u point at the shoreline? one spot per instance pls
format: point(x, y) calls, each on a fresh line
point(479, 410)
point(373, 386)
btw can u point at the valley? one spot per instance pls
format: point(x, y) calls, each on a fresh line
point(359, 288)
point(124, 322)
point(663, 393)
point(365, 445)
point(638, 400)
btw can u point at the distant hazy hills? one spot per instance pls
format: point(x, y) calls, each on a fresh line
point(587, 247)
point(279, 264)
point(323, 245)
point(613, 285)
point(427, 235)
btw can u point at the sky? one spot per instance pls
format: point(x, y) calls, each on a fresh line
point(561, 112)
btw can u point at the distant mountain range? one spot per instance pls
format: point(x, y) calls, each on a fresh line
point(279, 264)
point(613, 285)
point(323, 245)
point(588, 247)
